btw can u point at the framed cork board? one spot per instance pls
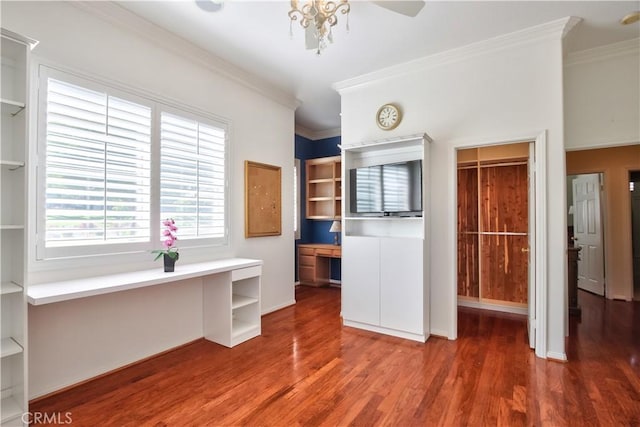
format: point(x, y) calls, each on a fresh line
point(262, 200)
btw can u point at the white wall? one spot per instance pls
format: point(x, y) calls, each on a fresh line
point(492, 92)
point(602, 96)
point(76, 340)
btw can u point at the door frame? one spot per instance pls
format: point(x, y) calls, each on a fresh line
point(539, 140)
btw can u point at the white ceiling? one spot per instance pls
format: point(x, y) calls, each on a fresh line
point(254, 35)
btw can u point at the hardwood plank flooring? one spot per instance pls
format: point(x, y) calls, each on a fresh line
point(306, 369)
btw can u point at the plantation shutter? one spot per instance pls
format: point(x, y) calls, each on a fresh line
point(97, 167)
point(192, 176)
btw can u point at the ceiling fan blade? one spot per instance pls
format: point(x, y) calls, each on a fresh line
point(407, 8)
point(210, 5)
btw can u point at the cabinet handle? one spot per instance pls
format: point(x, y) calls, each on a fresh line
point(524, 250)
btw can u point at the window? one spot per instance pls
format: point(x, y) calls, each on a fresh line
point(192, 176)
point(98, 150)
point(103, 149)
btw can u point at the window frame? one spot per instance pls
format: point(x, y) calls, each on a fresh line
point(100, 254)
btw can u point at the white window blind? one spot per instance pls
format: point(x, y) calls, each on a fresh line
point(98, 154)
point(192, 176)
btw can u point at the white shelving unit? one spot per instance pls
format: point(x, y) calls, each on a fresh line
point(14, 93)
point(232, 306)
point(385, 273)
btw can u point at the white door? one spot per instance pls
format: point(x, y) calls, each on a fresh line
point(587, 230)
point(531, 300)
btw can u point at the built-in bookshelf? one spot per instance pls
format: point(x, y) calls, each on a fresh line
point(324, 188)
point(15, 51)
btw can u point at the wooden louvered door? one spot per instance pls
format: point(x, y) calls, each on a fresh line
point(493, 227)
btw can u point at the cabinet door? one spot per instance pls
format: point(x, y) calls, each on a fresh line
point(360, 279)
point(402, 284)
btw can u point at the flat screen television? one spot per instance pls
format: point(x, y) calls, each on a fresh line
point(389, 189)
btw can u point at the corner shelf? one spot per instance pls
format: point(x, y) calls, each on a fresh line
point(11, 227)
point(12, 107)
point(7, 288)
point(15, 53)
point(11, 410)
point(9, 347)
point(12, 164)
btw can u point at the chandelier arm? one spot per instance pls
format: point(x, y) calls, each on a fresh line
point(323, 14)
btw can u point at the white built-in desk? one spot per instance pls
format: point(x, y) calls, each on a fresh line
point(231, 293)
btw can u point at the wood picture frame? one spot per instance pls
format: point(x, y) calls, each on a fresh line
point(262, 200)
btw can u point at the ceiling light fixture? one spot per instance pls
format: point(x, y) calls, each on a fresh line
point(631, 18)
point(318, 17)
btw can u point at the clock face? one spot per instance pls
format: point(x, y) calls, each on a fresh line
point(388, 117)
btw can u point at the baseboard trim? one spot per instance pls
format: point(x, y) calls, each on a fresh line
point(279, 307)
point(557, 357)
point(494, 307)
point(386, 331)
point(437, 333)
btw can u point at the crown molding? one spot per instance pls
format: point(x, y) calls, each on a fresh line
point(121, 17)
point(552, 30)
point(604, 53)
point(317, 135)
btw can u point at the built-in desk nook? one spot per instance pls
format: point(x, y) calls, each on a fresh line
point(231, 294)
point(314, 263)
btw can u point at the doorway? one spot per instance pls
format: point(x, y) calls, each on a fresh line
point(634, 191)
point(494, 228)
point(586, 230)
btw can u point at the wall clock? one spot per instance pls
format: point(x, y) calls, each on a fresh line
point(388, 117)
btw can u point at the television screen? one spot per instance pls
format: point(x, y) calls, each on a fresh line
point(385, 189)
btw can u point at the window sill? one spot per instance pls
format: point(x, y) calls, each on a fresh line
point(48, 293)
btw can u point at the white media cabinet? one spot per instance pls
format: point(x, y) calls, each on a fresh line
point(385, 260)
point(231, 294)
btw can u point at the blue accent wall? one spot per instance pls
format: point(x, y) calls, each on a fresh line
point(312, 230)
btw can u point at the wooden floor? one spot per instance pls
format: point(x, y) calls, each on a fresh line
point(306, 369)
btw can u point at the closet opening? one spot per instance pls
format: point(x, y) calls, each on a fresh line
point(634, 191)
point(495, 233)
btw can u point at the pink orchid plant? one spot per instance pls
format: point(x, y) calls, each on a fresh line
point(169, 238)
